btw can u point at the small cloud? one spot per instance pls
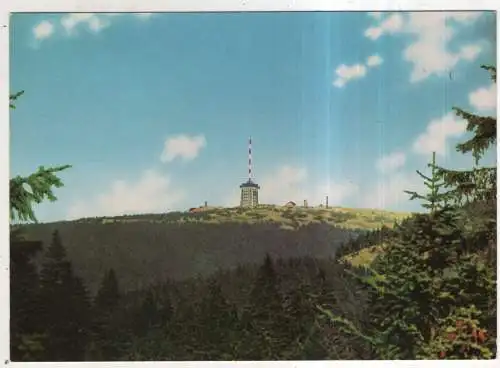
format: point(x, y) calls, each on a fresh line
point(152, 192)
point(43, 30)
point(374, 60)
point(438, 131)
point(469, 52)
point(391, 162)
point(93, 22)
point(70, 22)
point(339, 83)
point(182, 146)
point(346, 73)
point(374, 32)
point(391, 24)
point(484, 98)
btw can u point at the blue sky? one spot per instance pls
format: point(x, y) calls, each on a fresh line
point(154, 111)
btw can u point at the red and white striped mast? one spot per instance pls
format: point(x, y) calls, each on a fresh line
point(250, 159)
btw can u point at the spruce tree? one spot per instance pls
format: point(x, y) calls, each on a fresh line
point(300, 316)
point(108, 295)
point(264, 320)
point(104, 318)
point(26, 341)
point(432, 283)
point(219, 325)
point(65, 305)
point(476, 189)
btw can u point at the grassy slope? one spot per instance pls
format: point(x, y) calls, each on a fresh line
point(348, 218)
point(364, 257)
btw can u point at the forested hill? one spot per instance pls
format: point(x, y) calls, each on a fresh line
point(145, 249)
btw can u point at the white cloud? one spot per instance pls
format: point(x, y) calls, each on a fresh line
point(388, 192)
point(182, 146)
point(391, 24)
point(92, 21)
point(70, 22)
point(438, 131)
point(285, 184)
point(432, 32)
point(469, 52)
point(484, 98)
point(374, 60)
point(43, 30)
point(346, 73)
point(391, 162)
point(290, 183)
point(152, 192)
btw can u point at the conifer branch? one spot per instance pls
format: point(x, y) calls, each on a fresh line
point(13, 98)
point(25, 192)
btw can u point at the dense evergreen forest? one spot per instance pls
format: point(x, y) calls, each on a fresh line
point(431, 293)
point(146, 252)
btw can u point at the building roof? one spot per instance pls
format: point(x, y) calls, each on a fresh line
point(250, 184)
point(290, 203)
point(196, 209)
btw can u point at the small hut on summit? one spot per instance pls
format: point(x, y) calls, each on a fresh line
point(290, 204)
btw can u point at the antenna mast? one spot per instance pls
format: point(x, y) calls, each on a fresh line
point(250, 159)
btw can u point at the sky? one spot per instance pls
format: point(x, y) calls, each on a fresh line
point(154, 110)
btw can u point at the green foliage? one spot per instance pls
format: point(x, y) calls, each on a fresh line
point(434, 199)
point(13, 98)
point(459, 336)
point(263, 319)
point(432, 291)
point(65, 306)
point(219, 326)
point(108, 295)
point(25, 342)
point(25, 192)
point(484, 129)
